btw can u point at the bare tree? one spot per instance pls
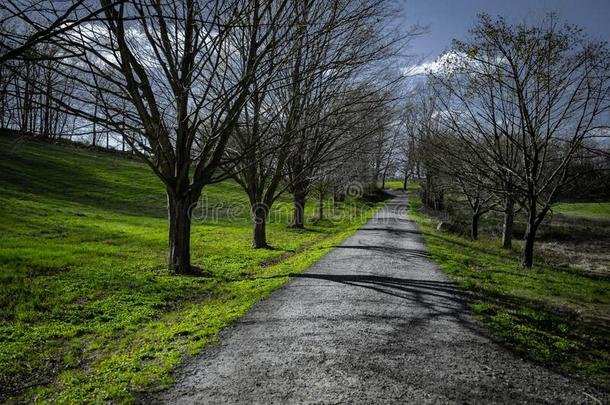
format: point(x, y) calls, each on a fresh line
point(170, 81)
point(279, 113)
point(407, 143)
point(30, 89)
point(525, 98)
point(27, 24)
point(343, 127)
point(295, 123)
point(456, 174)
point(427, 163)
point(354, 67)
point(258, 149)
point(387, 151)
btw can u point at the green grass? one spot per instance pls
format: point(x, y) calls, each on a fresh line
point(397, 185)
point(586, 210)
point(551, 314)
point(88, 311)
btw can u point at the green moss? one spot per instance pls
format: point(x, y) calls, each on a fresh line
point(549, 314)
point(88, 311)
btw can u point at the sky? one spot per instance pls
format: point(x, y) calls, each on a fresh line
point(448, 19)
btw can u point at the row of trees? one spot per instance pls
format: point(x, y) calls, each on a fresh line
point(28, 90)
point(276, 94)
point(512, 118)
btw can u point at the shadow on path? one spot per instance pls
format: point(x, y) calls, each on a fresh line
point(390, 250)
point(393, 231)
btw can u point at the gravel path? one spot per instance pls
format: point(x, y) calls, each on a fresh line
point(374, 321)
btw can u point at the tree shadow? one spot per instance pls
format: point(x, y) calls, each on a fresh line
point(437, 298)
point(393, 231)
point(390, 219)
point(453, 241)
point(390, 250)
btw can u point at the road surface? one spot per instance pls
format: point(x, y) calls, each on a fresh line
point(374, 321)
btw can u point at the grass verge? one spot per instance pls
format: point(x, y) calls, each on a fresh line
point(550, 314)
point(88, 312)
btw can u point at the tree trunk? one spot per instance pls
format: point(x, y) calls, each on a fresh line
point(259, 226)
point(527, 259)
point(507, 227)
point(438, 200)
point(375, 178)
point(339, 196)
point(404, 182)
point(335, 196)
point(298, 220)
point(474, 231)
point(427, 193)
point(179, 259)
point(94, 125)
point(321, 206)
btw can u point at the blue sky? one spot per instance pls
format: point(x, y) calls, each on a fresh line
point(450, 19)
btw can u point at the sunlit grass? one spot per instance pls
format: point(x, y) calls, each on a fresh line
point(397, 185)
point(88, 311)
point(596, 210)
point(551, 314)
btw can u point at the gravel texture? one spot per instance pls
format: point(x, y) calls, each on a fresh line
point(374, 321)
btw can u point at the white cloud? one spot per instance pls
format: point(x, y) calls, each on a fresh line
point(440, 64)
point(421, 69)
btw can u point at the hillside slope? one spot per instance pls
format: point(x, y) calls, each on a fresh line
point(88, 310)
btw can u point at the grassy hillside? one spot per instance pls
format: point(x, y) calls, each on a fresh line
point(88, 311)
point(596, 210)
point(555, 313)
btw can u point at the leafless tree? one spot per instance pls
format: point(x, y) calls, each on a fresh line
point(456, 174)
point(258, 150)
point(27, 24)
point(168, 78)
point(298, 125)
point(333, 129)
point(354, 68)
point(386, 154)
point(425, 131)
point(524, 98)
point(30, 88)
point(407, 143)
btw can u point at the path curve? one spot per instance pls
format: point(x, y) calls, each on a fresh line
point(374, 321)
